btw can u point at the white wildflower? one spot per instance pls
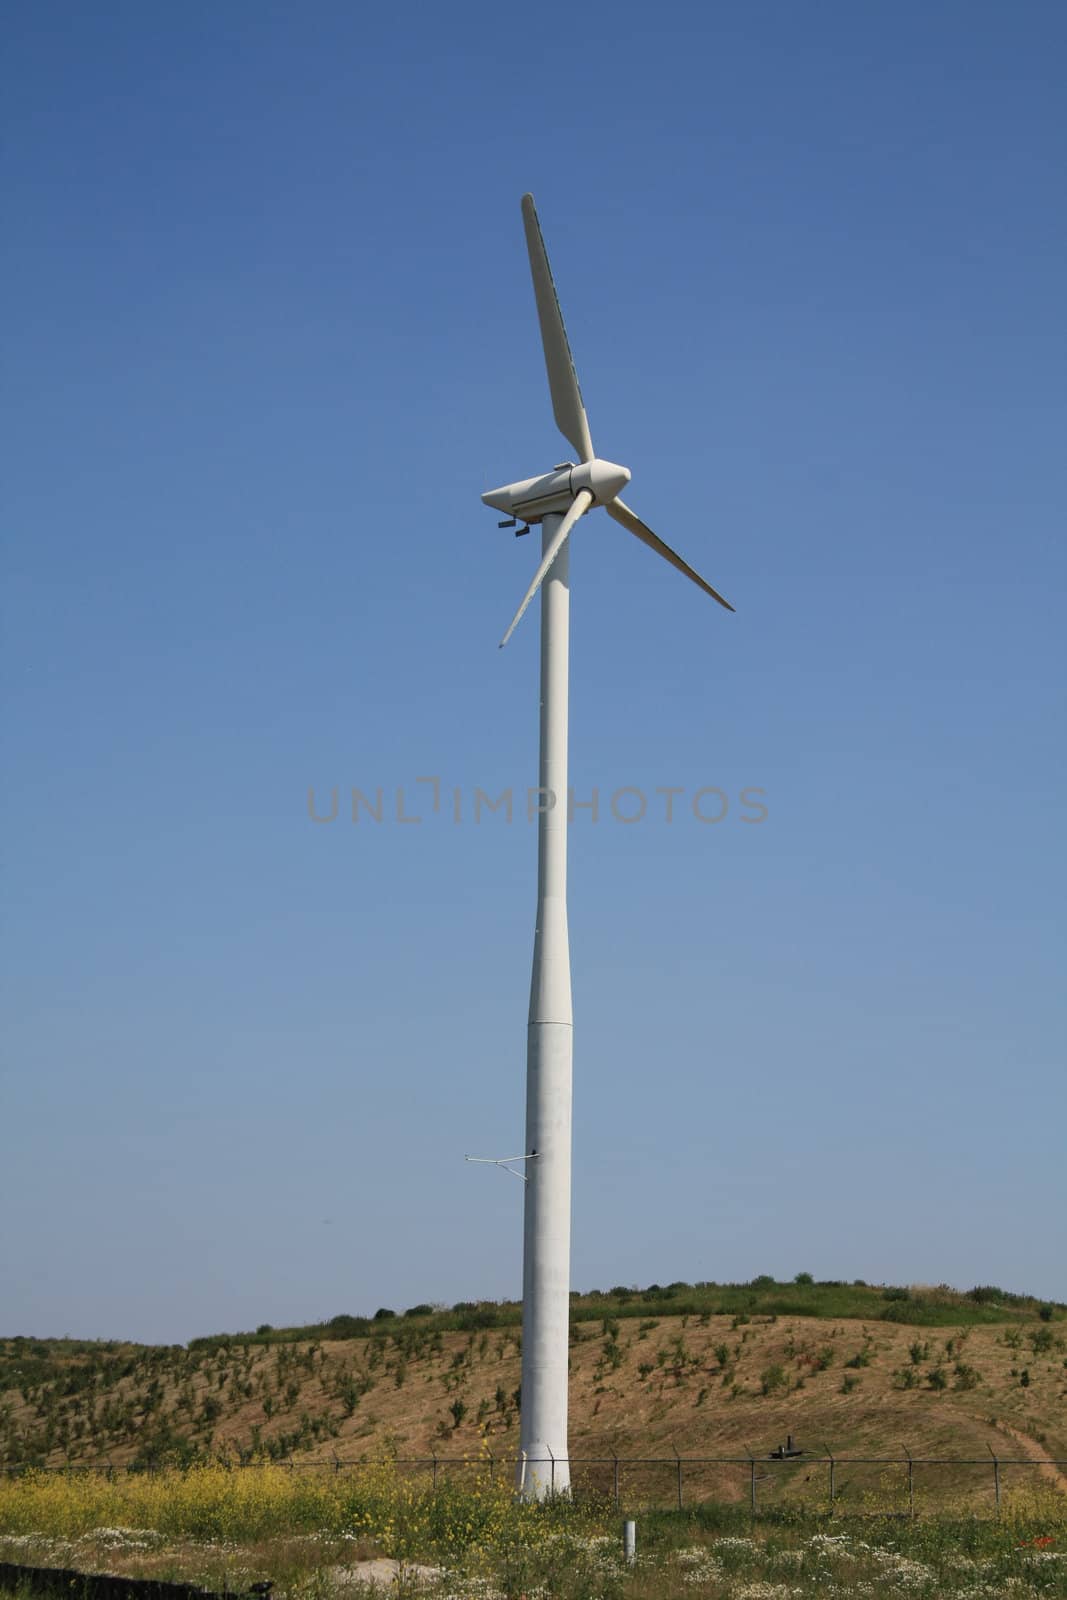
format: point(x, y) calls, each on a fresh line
point(787, 1558)
point(701, 1566)
point(123, 1538)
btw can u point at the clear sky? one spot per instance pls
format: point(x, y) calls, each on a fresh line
point(269, 335)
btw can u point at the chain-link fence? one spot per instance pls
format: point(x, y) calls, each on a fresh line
point(897, 1483)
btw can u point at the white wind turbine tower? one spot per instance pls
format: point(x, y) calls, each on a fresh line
point(556, 500)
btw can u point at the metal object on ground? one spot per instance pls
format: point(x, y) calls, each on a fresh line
point(629, 1542)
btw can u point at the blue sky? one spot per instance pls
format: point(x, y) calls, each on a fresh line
point(270, 336)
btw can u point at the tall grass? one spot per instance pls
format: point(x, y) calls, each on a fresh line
point(484, 1542)
point(402, 1515)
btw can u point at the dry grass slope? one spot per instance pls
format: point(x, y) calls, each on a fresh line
point(646, 1386)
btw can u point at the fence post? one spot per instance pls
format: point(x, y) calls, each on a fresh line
point(752, 1480)
point(433, 1453)
point(552, 1480)
point(911, 1482)
point(616, 1460)
point(996, 1476)
point(492, 1467)
point(830, 1453)
point(674, 1447)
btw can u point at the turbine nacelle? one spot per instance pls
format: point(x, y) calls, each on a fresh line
point(570, 491)
point(535, 498)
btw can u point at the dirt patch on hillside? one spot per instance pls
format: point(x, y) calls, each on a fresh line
point(1037, 1453)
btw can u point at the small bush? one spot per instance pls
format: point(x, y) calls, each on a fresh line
point(347, 1327)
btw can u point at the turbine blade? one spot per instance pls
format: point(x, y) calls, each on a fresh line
point(567, 406)
point(623, 515)
point(582, 501)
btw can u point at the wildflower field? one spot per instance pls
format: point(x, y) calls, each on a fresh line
point(322, 1535)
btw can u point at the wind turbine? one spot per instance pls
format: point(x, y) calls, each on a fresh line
point(556, 500)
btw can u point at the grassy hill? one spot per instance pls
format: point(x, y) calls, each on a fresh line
point(698, 1370)
point(938, 1306)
